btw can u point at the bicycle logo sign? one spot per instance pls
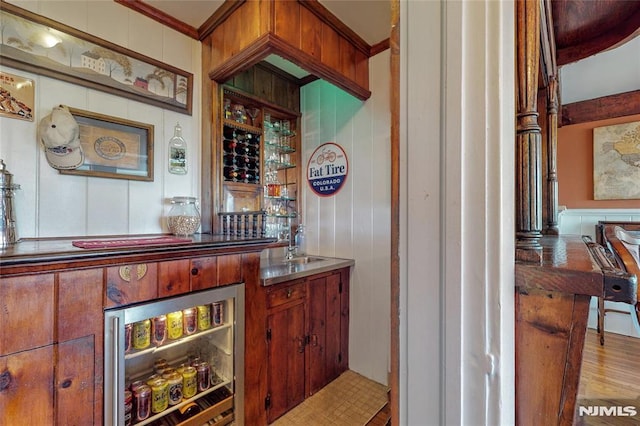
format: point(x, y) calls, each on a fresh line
point(327, 169)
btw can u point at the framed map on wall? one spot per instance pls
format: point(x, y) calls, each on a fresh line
point(616, 162)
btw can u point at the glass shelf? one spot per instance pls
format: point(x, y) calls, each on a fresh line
point(278, 165)
point(177, 342)
point(290, 215)
point(271, 197)
point(281, 149)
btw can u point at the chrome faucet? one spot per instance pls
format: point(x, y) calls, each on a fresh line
point(291, 248)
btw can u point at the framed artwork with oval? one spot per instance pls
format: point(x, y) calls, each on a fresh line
point(113, 147)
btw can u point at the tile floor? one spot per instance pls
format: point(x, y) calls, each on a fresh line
point(350, 400)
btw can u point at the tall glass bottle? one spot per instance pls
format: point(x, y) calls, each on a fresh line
point(177, 152)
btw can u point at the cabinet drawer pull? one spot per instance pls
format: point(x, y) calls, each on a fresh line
point(289, 293)
point(314, 340)
point(5, 380)
point(194, 271)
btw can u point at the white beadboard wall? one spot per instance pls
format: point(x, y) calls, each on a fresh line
point(583, 222)
point(50, 204)
point(355, 222)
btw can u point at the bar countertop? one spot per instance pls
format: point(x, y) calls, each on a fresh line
point(278, 270)
point(43, 254)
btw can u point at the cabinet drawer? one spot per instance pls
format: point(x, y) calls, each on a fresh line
point(204, 273)
point(286, 294)
point(130, 284)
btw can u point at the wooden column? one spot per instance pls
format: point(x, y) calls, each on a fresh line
point(528, 143)
point(551, 226)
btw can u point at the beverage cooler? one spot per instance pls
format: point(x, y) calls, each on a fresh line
point(176, 361)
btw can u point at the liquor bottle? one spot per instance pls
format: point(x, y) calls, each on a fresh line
point(252, 151)
point(241, 160)
point(229, 159)
point(240, 148)
point(177, 152)
point(230, 173)
point(251, 164)
point(246, 176)
point(230, 144)
point(229, 133)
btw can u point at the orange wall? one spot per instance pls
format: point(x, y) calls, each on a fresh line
point(575, 166)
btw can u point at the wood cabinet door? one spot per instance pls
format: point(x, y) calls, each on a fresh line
point(76, 384)
point(26, 312)
point(130, 284)
point(26, 393)
point(286, 359)
point(325, 331)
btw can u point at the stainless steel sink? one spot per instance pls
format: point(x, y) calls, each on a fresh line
point(303, 260)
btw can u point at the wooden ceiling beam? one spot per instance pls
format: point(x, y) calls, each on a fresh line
point(606, 107)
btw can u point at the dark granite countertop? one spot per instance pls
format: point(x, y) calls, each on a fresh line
point(39, 254)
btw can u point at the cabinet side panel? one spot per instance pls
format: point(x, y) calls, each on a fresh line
point(255, 377)
point(344, 320)
point(26, 312)
point(27, 398)
point(74, 383)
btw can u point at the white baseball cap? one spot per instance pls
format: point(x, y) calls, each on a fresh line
point(59, 133)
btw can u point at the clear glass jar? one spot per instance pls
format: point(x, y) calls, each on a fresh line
point(183, 218)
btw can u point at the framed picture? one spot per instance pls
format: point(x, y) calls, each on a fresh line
point(40, 45)
point(16, 96)
point(616, 162)
point(114, 147)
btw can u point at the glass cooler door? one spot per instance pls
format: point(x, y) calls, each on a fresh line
point(177, 361)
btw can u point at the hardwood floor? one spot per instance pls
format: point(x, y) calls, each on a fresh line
point(609, 381)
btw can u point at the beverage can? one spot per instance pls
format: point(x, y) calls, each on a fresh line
point(189, 382)
point(128, 330)
point(128, 407)
point(217, 313)
point(142, 397)
point(204, 317)
point(174, 321)
point(142, 334)
point(204, 378)
point(175, 388)
point(159, 327)
point(190, 321)
point(159, 395)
